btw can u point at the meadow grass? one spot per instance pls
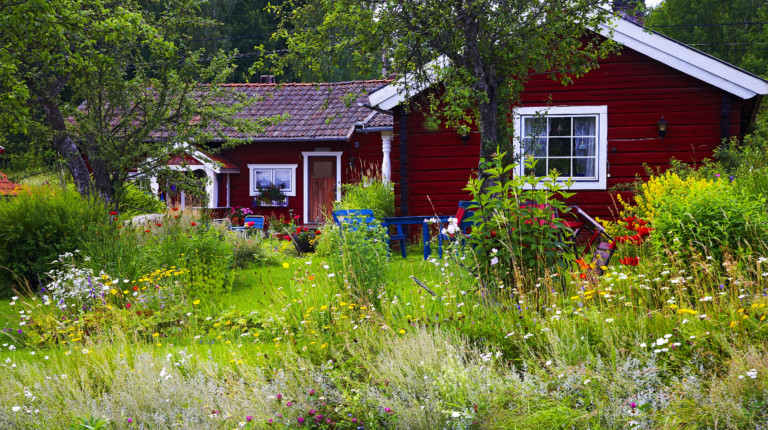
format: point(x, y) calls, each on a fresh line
point(670, 343)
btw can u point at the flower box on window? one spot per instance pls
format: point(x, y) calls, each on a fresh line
point(270, 203)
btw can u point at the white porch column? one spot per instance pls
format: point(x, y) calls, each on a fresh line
point(212, 188)
point(386, 149)
point(228, 204)
point(154, 186)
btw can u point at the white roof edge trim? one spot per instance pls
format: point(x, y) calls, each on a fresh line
point(686, 59)
point(667, 51)
point(395, 93)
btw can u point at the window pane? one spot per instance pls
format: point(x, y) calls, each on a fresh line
point(585, 126)
point(583, 167)
point(283, 179)
point(560, 127)
point(537, 148)
point(584, 146)
point(560, 147)
point(563, 166)
point(535, 127)
point(262, 178)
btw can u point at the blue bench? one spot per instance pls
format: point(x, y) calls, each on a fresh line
point(258, 224)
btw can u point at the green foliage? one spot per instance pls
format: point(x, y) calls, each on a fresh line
point(482, 60)
point(89, 423)
point(370, 192)
point(38, 225)
point(137, 201)
point(516, 227)
point(361, 258)
point(248, 251)
point(702, 215)
point(731, 43)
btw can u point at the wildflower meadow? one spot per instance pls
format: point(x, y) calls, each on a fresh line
point(179, 322)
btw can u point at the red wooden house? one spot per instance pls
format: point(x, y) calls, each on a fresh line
point(599, 131)
point(327, 139)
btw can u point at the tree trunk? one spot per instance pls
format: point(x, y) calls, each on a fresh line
point(61, 141)
point(488, 124)
point(103, 181)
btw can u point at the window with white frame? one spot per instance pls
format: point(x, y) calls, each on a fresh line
point(571, 139)
point(264, 175)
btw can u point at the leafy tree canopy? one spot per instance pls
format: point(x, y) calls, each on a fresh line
point(145, 90)
point(481, 51)
point(713, 27)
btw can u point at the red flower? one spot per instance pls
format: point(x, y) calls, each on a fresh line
point(318, 232)
point(159, 224)
point(113, 213)
point(297, 217)
point(174, 209)
point(127, 305)
point(286, 237)
point(194, 223)
point(630, 261)
point(306, 228)
point(135, 288)
point(146, 231)
point(583, 276)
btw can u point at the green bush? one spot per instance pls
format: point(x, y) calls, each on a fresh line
point(38, 225)
point(700, 214)
point(370, 192)
point(515, 231)
point(135, 201)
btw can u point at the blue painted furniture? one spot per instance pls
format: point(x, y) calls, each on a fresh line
point(258, 224)
point(355, 218)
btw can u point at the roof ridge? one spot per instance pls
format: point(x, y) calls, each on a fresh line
point(306, 84)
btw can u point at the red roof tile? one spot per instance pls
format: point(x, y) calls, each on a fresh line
point(7, 187)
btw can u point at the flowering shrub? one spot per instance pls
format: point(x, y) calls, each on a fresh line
point(516, 224)
point(238, 213)
point(702, 214)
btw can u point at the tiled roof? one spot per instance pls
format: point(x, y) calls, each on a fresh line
point(317, 111)
point(7, 187)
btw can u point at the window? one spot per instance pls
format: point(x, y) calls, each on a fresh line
point(282, 175)
point(571, 139)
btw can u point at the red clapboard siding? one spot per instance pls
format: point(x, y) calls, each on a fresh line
point(638, 92)
point(274, 153)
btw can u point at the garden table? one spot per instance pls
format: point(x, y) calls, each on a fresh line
point(401, 235)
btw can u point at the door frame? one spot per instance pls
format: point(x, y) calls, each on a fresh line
point(306, 156)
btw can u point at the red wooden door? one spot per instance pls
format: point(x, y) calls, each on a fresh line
point(322, 188)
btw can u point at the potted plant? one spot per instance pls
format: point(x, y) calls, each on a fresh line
point(238, 213)
point(304, 238)
point(271, 195)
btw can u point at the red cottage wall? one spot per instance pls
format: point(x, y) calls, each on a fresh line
point(367, 152)
point(637, 91)
point(274, 153)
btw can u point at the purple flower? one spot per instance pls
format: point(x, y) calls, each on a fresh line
point(311, 411)
point(387, 410)
point(319, 417)
point(279, 397)
point(633, 405)
point(289, 404)
point(270, 421)
point(300, 420)
point(354, 420)
point(717, 175)
point(129, 421)
point(248, 418)
point(311, 392)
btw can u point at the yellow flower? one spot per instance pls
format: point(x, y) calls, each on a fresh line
point(734, 324)
point(156, 335)
point(286, 265)
point(673, 306)
point(323, 345)
point(113, 291)
point(159, 344)
point(402, 331)
point(196, 302)
point(125, 291)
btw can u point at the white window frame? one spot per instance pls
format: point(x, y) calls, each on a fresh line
point(252, 184)
point(599, 182)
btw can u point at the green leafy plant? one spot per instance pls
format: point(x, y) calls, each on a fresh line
point(517, 230)
point(361, 261)
point(370, 192)
point(38, 225)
